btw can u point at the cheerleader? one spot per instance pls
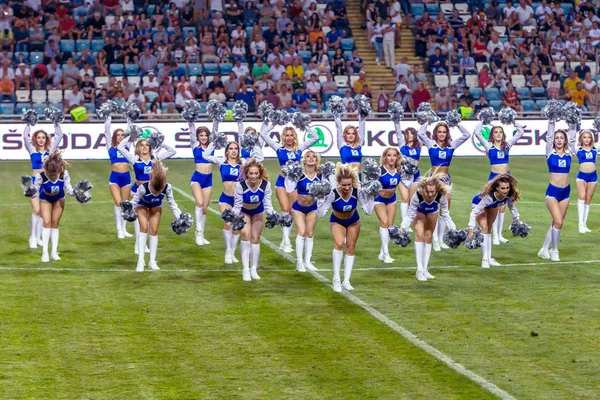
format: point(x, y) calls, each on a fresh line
point(120, 179)
point(385, 203)
point(304, 210)
point(39, 146)
point(486, 207)
point(230, 169)
point(559, 148)
point(432, 196)
point(410, 146)
point(51, 184)
point(344, 220)
point(147, 203)
point(441, 150)
point(288, 149)
point(350, 141)
point(252, 199)
point(587, 178)
point(141, 160)
point(497, 149)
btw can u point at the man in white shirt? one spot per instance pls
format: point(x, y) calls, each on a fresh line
point(181, 96)
point(402, 68)
point(277, 70)
point(86, 70)
point(313, 87)
point(509, 9)
point(258, 48)
point(151, 85)
point(310, 70)
point(276, 54)
point(494, 44)
point(572, 47)
point(591, 17)
point(525, 13)
point(543, 11)
point(218, 95)
point(263, 84)
point(396, 18)
point(389, 31)
point(7, 70)
point(138, 98)
point(594, 33)
point(23, 77)
point(73, 99)
point(240, 69)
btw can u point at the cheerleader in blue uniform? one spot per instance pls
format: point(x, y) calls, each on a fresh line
point(141, 160)
point(385, 203)
point(39, 146)
point(431, 197)
point(497, 149)
point(344, 220)
point(350, 141)
point(230, 168)
point(441, 151)
point(120, 179)
point(289, 149)
point(51, 185)
point(252, 199)
point(147, 203)
point(304, 210)
point(497, 193)
point(410, 146)
point(587, 177)
point(560, 146)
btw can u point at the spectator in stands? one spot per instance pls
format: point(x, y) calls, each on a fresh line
point(480, 104)
point(438, 63)
point(467, 64)
point(276, 70)
point(258, 49)
point(73, 99)
point(85, 70)
point(465, 110)
point(479, 50)
point(284, 81)
point(23, 77)
point(182, 95)
point(383, 99)
point(512, 98)
point(7, 90)
point(421, 40)
point(301, 98)
point(247, 96)
point(415, 77)
point(96, 27)
point(389, 35)
point(553, 86)
point(21, 38)
point(321, 62)
point(355, 62)
point(36, 39)
point(150, 86)
point(261, 85)
point(402, 68)
point(71, 75)
point(148, 62)
point(240, 70)
point(421, 95)
point(579, 96)
point(260, 69)
point(404, 98)
point(313, 88)
point(52, 50)
point(582, 69)
point(296, 68)
point(359, 84)
point(589, 84)
point(442, 101)
point(285, 98)
point(218, 95)
point(570, 83)
point(198, 89)
point(402, 84)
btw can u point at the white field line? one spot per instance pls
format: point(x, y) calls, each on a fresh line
point(397, 328)
point(28, 204)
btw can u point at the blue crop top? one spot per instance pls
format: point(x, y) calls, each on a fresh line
point(584, 156)
point(411, 152)
point(495, 204)
point(389, 180)
point(37, 159)
point(250, 197)
point(303, 186)
point(497, 156)
point(341, 205)
point(559, 164)
point(427, 208)
point(284, 155)
point(116, 156)
point(150, 199)
point(142, 170)
point(440, 157)
point(350, 154)
point(230, 173)
point(198, 150)
point(54, 189)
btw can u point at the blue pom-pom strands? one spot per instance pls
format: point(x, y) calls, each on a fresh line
point(133, 132)
point(454, 238)
point(520, 229)
point(476, 241)
point(28, 186)
point(191, 111)
point(327, 169)
point(507, 116)
point(453, 119)
point(553, 111)
point(572, 113)
point(320, 189)
point(131, 112)
point(265, 109)
point(336, 106)
point(371, 169)
point(216, 110)
point(30, 117)
point(372, 188)
point(54, 115)
point(399, 236)
point(301, 121)
point(363, 105)
point(237, 221)
point(182, 224)
point(239, 110)
point(156, 140)
point(487, 115)
point(218, 139)
point(396, 111)
point(248, 140)
point(127, 211)
point(293, 171)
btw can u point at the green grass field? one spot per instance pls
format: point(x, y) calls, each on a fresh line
point(98, 330)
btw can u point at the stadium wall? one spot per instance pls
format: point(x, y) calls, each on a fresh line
point(86, 140)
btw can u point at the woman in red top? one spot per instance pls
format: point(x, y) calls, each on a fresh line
point(512, 98)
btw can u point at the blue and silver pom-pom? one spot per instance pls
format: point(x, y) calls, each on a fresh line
point(248, 140)
point(82, 191)
point(265, 109)
point(507, 116)
point(301, 121)
point(239, 110)
point(54, 115)
point(131, 111)
point(336, 106)
point(520, 229)
point(182, 224)
point(28, 186)
point(285, 219)
point(191, 111)
point(293, 171)
point(455, 238)
point(476, 241)
point(134, 132)
point(409, 166)
point(219, 139)
point(238, 223)
point(271, 221)
point(103, 112)
point(30, 117)
point(320, 189)
point(572, 113)
point(396, 111)
point(371, 188)
point(371, 169)
point(487, 115)
point(424, 113)
point(228, 215)
point(156, 140)
point(453, 118)
point(553, 111)
point(216, 110)
point(327, 169)
point(279, 117)
point(363, 105)
point(127, 211)
point(399, 236)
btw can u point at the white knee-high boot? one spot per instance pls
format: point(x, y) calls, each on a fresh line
point(348, 265)
point(337, 256)
point(500, 220)
point(54, 238)
point(199, 234)
point(286, 245)
point(426, 256)
point(33, 231)
point(403, 210)
point(419, 246)
point(118, 222)
point(441, 231)
point(435, 241)
point(581, 215)
point(153, 250)
point(227, 240)
point(234, 242)
point(495, 230)
point(384, 253)
point(45, 240)
point(487, 242)
point(254, 265)
point(38, 230)
point(555, 240)
point(300, 241)
point(586, 211)
point(141, 246)
point(308, 250)
point(246, 249)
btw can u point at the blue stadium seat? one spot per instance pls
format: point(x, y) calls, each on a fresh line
point(67, 45)
point(39, 108)
point(10, 56)
point(211, 69)
point(347, 54)
point(25, 56)
point(567, 7)
point(116, 69)
point(541, 104)
point(331, 54)
point(36, 57)
point(165, 106)
point(496, 104)
point(306, 55)
point(539, 93)
point(230, 104)
point(195, 69)
point(203, 107)
point(476, 92)
point(417, 8)
point(524, 93)
point(347, 44)
point(7, 108)
point(22, 106)
point(83, 44)
point(225, 68)
point(492, 94)
point(528, 105)
point(132, 69)
point(186, 29)
point(91, 108)
point(433, 8)
point(151, 8)
point(97, 45)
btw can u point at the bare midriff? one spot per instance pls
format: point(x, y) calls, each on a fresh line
point(306, 200)
point(120, 167)
point(204, 168)
point(559, 180)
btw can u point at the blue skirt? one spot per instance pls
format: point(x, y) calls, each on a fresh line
point(345, 222)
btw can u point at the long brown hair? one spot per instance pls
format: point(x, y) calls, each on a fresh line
point(238, 160)
point(48, 139)
point(356, 138)
point(564, 133)
point(504, 143)
point(346, 171)
point(158, 177)
point(138, 146)
point(416, 144)
point(448, 139)
point(201, 129)
point(492, 186)
point(398, 160)
point(253, 163)
point(114, 137)
point(433, 180)
point(54, 165)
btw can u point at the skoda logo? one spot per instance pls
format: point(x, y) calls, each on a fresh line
point(148, 131)
point(485, 132)
point(325, 140)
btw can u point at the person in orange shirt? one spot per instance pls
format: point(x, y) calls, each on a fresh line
point(579, 95)
point(315, 34)
point(7, 90)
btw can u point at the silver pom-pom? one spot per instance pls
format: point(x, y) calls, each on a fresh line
point(424, 113)
point(30, 117)
point(507, 116)
point(597, 124)
point(371, 169)
point(216, 110)
point(572, 113)
point(156, 140)
point(293, 171)
point(238, 223)
point(372, 188)
point(182, 224)
point(399, 236)
point(219, 139)
point(127, 211)
point(336, 106)
point(228, 215)
point(285, 219)
point(248, 140)
point(134, 132)
point(553, 111)
point(28, 186)
point(82, 191)
point(327, 169)
point(409, 166)
point(191, 111)
point(476, 241)
point(103, 112)
point(320, 189)
point(54, 115)
point(487, 115)
point(301, 121)
point(271, 221)
point(396, 111)
point(363, 105)
point(239, 110)
point(520, 229)
point(453, 118)
point(421, 117)
point(265, 109)
point(455, 238)
point(131, 111)
point(279, 117)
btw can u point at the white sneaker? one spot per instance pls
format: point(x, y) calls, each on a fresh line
point(493, 262)
point(377, 61)
point(246, 275)
point(199, 238)
point(39, 242)
point(485, 264)
point(45, 257)
point(387, 259)
point(428, 275)
point(310, 266)
point(581, 228)
point(55, 257)
point(254, 274)
point(135, 249)
point(126, 234)
point(204, 241)
point(120, 234)
point(421, 276)
point(495, 240)
point(503, 239)
point(444, 246)
point(147, 250)
point(140, 266)
point(228, 258)
point(554, 255)
point(337, 286)
point(32, 243)
point(347, 286)
point(436, 245)
point(588, 230)
point(287, 248)
point(409, 230)
point(300, 266)
point(235, 260)
point(544, 254)
point(152, 266)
